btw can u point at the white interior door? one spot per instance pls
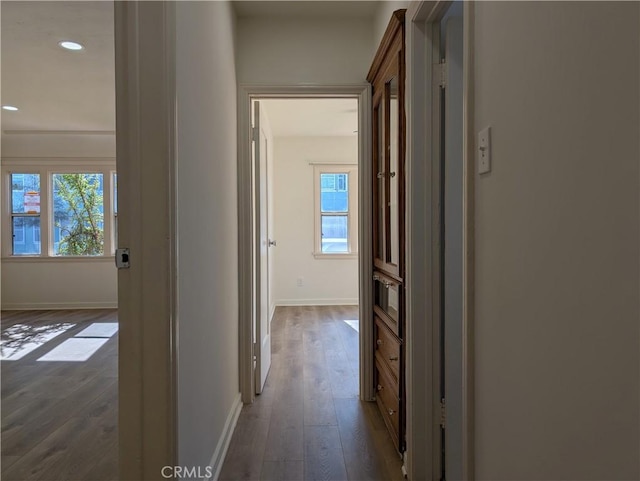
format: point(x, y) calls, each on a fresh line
point(262, 339)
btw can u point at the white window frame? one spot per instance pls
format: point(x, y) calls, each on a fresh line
point(352, 212)
point(46, 168)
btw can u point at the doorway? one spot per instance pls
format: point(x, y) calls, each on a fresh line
point(439, 239)
point(305, 213)
point(258, 238)
point(60, 321)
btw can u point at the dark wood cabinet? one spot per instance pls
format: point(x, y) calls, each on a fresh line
point(387, 79)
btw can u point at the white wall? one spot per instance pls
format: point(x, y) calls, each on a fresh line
point(557, 240)
point(54, 282)
point(58, 145)
point(326, 281)
point(298, 51)
point(59, 284)
point(382, 17)
point(208, 378)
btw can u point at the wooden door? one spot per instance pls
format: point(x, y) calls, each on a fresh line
point(387, 76)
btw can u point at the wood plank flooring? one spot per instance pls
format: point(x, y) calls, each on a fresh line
point(309, 424)
point(59, 418)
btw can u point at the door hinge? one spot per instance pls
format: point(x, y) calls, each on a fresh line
point(254, 134)
point(443, 413)
point(440, 74)
point(122, 258)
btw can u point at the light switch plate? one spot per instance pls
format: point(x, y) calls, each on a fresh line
point(484, 151)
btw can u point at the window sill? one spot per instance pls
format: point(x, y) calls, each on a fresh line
point(54, 259)
point(335, 255)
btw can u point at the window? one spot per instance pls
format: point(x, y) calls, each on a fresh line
point(78, 214)
point(25, 214)
point(336, 212)
point(59, 209)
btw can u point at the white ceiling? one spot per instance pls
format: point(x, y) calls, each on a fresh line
point(57, 89)
point(312, 117)
point(60, 92)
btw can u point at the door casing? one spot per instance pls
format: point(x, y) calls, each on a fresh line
point(246, 234)
point(147, 291)
point(423, 243)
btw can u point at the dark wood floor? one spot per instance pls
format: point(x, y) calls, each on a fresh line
point(59, 418)
point(309, 424)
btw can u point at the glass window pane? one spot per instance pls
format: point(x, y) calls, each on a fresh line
point(78, 214)
point(25, 193)
point(26, 235)
point(394, 165)
point(334, 233)
point(336, 198)
point(327, 182)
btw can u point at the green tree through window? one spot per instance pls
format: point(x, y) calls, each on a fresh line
point(78, 214)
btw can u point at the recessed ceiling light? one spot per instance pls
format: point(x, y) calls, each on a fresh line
point(10, 107)
point(70, 45)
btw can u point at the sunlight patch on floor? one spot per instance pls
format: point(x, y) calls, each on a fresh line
point(75, 349)
point(355, 325)
point(99, 329)
point(21, 339)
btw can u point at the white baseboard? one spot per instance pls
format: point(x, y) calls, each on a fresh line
point(317, 302)
point(49, 306)
point(223, 444)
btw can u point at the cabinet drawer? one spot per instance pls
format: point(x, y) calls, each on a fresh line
point(387, 399)
point(386, 293)
point(387, 347)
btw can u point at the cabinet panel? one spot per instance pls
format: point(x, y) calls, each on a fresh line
point(387, 348)
point(387, 301)
point(387, 76)
point(393, 169)
point(388, 402)
point(379, 203)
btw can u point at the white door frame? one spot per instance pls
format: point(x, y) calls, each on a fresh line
point(423, 243)
point(246, 236)
point(147, 292)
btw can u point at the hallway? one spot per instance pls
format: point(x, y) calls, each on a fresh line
point(309, 424)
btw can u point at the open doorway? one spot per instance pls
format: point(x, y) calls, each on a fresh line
point(305, 161)
point(59, 343)
point(356, 235)
point(311, 419)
